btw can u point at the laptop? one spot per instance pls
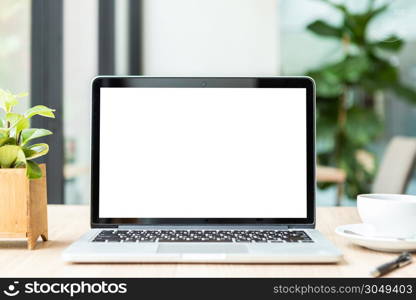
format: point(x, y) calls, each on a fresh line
point(203, 170)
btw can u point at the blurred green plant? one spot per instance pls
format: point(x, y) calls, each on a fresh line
point(348, 91)
point(16, 136)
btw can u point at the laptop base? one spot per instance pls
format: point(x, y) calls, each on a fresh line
point(85, 251)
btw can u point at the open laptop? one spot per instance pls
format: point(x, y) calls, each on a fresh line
point(203, 170)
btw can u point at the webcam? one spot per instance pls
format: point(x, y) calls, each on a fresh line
point(203, 83)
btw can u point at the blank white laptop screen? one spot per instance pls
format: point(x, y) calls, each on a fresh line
point(202, 153)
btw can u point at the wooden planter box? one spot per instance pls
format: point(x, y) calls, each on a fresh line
point(23, 206)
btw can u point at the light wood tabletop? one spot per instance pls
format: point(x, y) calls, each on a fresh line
point(67, 223)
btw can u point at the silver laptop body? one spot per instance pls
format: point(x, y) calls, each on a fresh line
point(129, 220)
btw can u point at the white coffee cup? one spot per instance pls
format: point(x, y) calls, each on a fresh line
point(391, 215)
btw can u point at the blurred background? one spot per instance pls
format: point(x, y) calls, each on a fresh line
point(362, 55)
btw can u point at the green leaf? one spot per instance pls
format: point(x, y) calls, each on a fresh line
point(326, 125)
point(21, 159)
point(406, 92)
point(357, 24)
point(19, 165)
point(375, 12)
point(350, 70)
point(33, 171)
point(13, 118)
point(33, 133)
point(39, 110)
point(18, 122)
point(392, 43)
point(21, 125)
point(324, 29)
point(3, 140)
point(363, 125)
point(28, 152)
point(328, 84)
point(4, 132)
point(36, 150)
point(331, 79)
point(8, 141)
point(8, 155)
point(22, 95)
point(382, 75)
point(7, 100)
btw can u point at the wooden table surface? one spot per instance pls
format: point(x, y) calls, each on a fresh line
point(67, 223)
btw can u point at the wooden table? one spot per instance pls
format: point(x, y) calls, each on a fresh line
point(67, 223)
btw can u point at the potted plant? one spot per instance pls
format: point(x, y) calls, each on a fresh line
point(23, 197)
point(350, 94)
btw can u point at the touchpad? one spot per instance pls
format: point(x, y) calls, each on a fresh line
point(192, 248)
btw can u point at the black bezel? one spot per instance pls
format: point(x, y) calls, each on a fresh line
point(198, 82)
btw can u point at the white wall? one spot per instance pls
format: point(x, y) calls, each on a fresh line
point(211, 37)
point(15, 18)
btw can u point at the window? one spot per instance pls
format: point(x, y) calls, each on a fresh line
point(15, 47)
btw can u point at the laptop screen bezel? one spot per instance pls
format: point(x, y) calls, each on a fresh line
point(202, 82)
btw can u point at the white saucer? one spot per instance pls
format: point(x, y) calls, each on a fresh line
point(368, 239)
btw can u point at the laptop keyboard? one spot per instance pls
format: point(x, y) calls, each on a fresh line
point(217, 236)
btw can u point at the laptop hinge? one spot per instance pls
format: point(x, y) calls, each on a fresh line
point(309, 226)
point(188, 226)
